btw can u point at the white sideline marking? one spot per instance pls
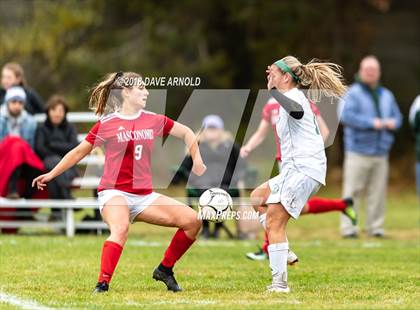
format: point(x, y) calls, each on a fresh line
point(185, 302)
point(21, 303)
point(142, 243)
point(174, 302)
point(370, 245)
point(223, 243)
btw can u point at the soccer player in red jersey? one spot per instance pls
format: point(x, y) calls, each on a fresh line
point(127, 131)
point(269, 117)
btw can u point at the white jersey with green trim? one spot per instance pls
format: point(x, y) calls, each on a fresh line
point(302, 146)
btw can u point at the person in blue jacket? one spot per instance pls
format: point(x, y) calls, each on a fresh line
point(19, 126)
point(14, 120)
point(370, 116)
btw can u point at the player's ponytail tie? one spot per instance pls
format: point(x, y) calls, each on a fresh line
point(299, 72)
point(117, 81)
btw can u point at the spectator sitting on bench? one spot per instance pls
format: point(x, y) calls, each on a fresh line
point(53, 139)
point(18, 162)
point(221, 155)
point(12, 74)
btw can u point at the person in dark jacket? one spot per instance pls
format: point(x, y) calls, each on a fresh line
point(53, 140)
point(12, 74)
point(225, 168)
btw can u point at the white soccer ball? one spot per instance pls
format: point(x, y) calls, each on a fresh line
point(214, 205)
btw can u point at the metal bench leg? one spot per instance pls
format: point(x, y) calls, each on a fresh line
point(69, 222)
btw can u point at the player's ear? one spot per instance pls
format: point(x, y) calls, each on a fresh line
point(125, 92)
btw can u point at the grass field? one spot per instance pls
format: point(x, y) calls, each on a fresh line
point(56, 272)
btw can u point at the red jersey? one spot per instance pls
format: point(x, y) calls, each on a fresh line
point(271, 112)
point(128, 143)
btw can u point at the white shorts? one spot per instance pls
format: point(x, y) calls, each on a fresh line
point(136, 203)
point(292, 189)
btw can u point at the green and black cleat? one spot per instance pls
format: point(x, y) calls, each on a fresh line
point(349, 211)
point(259, 255)
point(101, 287)
point(167, 278)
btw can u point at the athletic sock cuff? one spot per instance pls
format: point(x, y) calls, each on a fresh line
point(278, 247)
point(165, 269)
point(113, 244)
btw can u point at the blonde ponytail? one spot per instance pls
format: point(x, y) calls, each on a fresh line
point(320, 78)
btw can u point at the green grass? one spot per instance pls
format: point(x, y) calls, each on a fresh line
point(332, 273)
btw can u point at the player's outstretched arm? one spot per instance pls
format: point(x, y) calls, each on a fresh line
point(187, 135)
point(294, 109)
point(68, 161)
point(323, 127)
point(257, 138)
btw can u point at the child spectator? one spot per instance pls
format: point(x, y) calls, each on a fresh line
point(18, 162)
point(14, 120)
point(17, 128)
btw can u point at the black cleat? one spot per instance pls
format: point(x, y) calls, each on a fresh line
point(349, 201)
point(378, 235)
point(167, 278)
point(101, 287)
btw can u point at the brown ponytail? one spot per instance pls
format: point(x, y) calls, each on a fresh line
point(320, 78)
point(105, 97)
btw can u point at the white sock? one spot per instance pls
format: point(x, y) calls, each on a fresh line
point(278, 261)
point(262, 219)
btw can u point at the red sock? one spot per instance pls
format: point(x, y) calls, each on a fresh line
point(320, 205)
point(180, 243)
point(266, 243)
point(111, 253)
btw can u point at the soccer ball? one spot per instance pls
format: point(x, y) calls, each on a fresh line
point(214, 205)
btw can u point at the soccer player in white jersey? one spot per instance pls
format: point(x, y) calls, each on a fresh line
point(315, 205)
point(304, 164)
point(128, 132)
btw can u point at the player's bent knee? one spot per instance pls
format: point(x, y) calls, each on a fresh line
point(271, 224)
point(120, 231)
point(198, 223)
point(195, 222)
point(192, 223)
point(275, 223)
point(256, 198)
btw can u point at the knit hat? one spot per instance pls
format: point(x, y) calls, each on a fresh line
point(213, 121)
point(15, 93)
